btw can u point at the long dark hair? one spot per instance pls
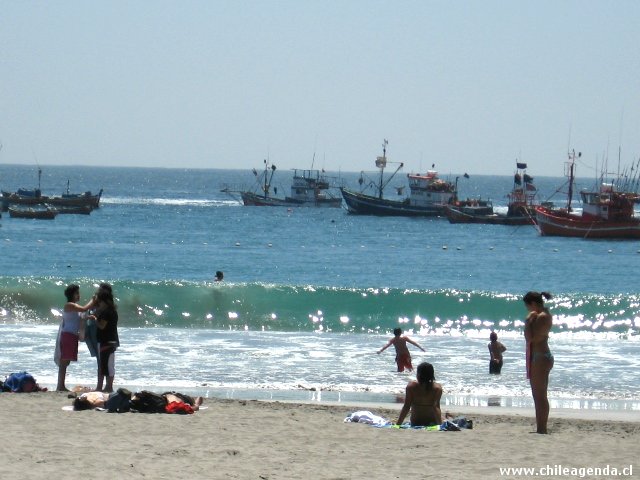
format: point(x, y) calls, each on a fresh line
point(426, 375)
point(536, 297)
point(81, 403)
point(105, 295)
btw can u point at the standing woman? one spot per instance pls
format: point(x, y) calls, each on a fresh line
point(538, 356)
point(71, 330)
point(106, 318)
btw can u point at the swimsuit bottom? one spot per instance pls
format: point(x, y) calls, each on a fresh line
point(535, 356)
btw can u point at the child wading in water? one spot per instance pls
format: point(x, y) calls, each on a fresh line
point(403, 357)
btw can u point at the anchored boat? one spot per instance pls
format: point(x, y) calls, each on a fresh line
point(520, 210)
point(309, 188)
point(607, 212)
point(428, 197)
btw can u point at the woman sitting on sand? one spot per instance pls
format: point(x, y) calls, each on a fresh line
point(423, 399)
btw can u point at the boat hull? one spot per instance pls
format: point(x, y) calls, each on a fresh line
point(79, 200)
point(361, 204)
point(48, 214)
point(455, 215)
point(253, 200)
point(72, 210)
point(563, 224)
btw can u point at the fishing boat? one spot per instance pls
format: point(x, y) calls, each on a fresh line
point(607, 212)
point(520, 210)
point(309, 188)
point(428, 197)
point(34, 196)
point(38, 213)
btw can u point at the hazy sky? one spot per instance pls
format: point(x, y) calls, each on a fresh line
point(469, 86)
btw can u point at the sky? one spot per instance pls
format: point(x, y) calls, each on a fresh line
point(469, 86)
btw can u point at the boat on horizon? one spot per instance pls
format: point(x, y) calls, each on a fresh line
point(607, 212)
point(428, 194)
point(309, 188)
point(520, 208)
point(31, 197)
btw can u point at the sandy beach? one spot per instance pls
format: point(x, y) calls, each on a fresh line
point(277, 440)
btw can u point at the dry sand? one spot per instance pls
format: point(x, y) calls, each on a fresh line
point(275, 440)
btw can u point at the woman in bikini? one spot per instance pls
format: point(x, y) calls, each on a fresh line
point(539, 359)
point(423, 399)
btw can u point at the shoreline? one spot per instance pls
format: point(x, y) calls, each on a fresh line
point(272, 440)
point(516, 405)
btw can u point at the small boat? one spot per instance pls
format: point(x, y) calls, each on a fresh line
point(34, 196)
point(520, 209)
point(607, 212)
point(428, 197)
point(309, 188)
point(47, 213)
point(85, 199)
point(22, 196)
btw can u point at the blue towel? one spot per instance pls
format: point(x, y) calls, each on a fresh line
point(91, 337)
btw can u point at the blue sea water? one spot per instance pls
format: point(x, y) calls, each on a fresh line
point(310, 294)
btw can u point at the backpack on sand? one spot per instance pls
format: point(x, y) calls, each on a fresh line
point(148, 402)
point(119, 401)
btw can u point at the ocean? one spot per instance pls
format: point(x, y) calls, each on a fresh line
point(310, 295)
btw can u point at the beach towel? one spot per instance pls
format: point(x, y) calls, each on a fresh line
point(91, 337)
point(365, 416)
point(449, 425)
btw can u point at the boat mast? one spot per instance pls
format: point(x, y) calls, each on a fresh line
point(265, 188)
point(381, 162)
point(571, 165)
point(273, 170)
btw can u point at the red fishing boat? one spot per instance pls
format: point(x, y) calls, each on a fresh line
point(607, 212)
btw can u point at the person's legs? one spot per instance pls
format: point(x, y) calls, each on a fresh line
point(540, 369)
point(100, 374)
point(62, 375)
point(68, 353)
point(404, 363)
point(107, 368)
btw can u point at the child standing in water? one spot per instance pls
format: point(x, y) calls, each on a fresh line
point(495, 350)
point(403, 357)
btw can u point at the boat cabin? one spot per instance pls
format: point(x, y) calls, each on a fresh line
point(606, 204)
point(428, 190)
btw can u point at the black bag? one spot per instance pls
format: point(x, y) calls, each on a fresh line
point(119, 401)
point(148, 402)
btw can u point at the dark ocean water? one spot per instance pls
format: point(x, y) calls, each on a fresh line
point(310, 293)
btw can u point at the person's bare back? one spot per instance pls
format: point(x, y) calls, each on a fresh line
point(399, 342)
